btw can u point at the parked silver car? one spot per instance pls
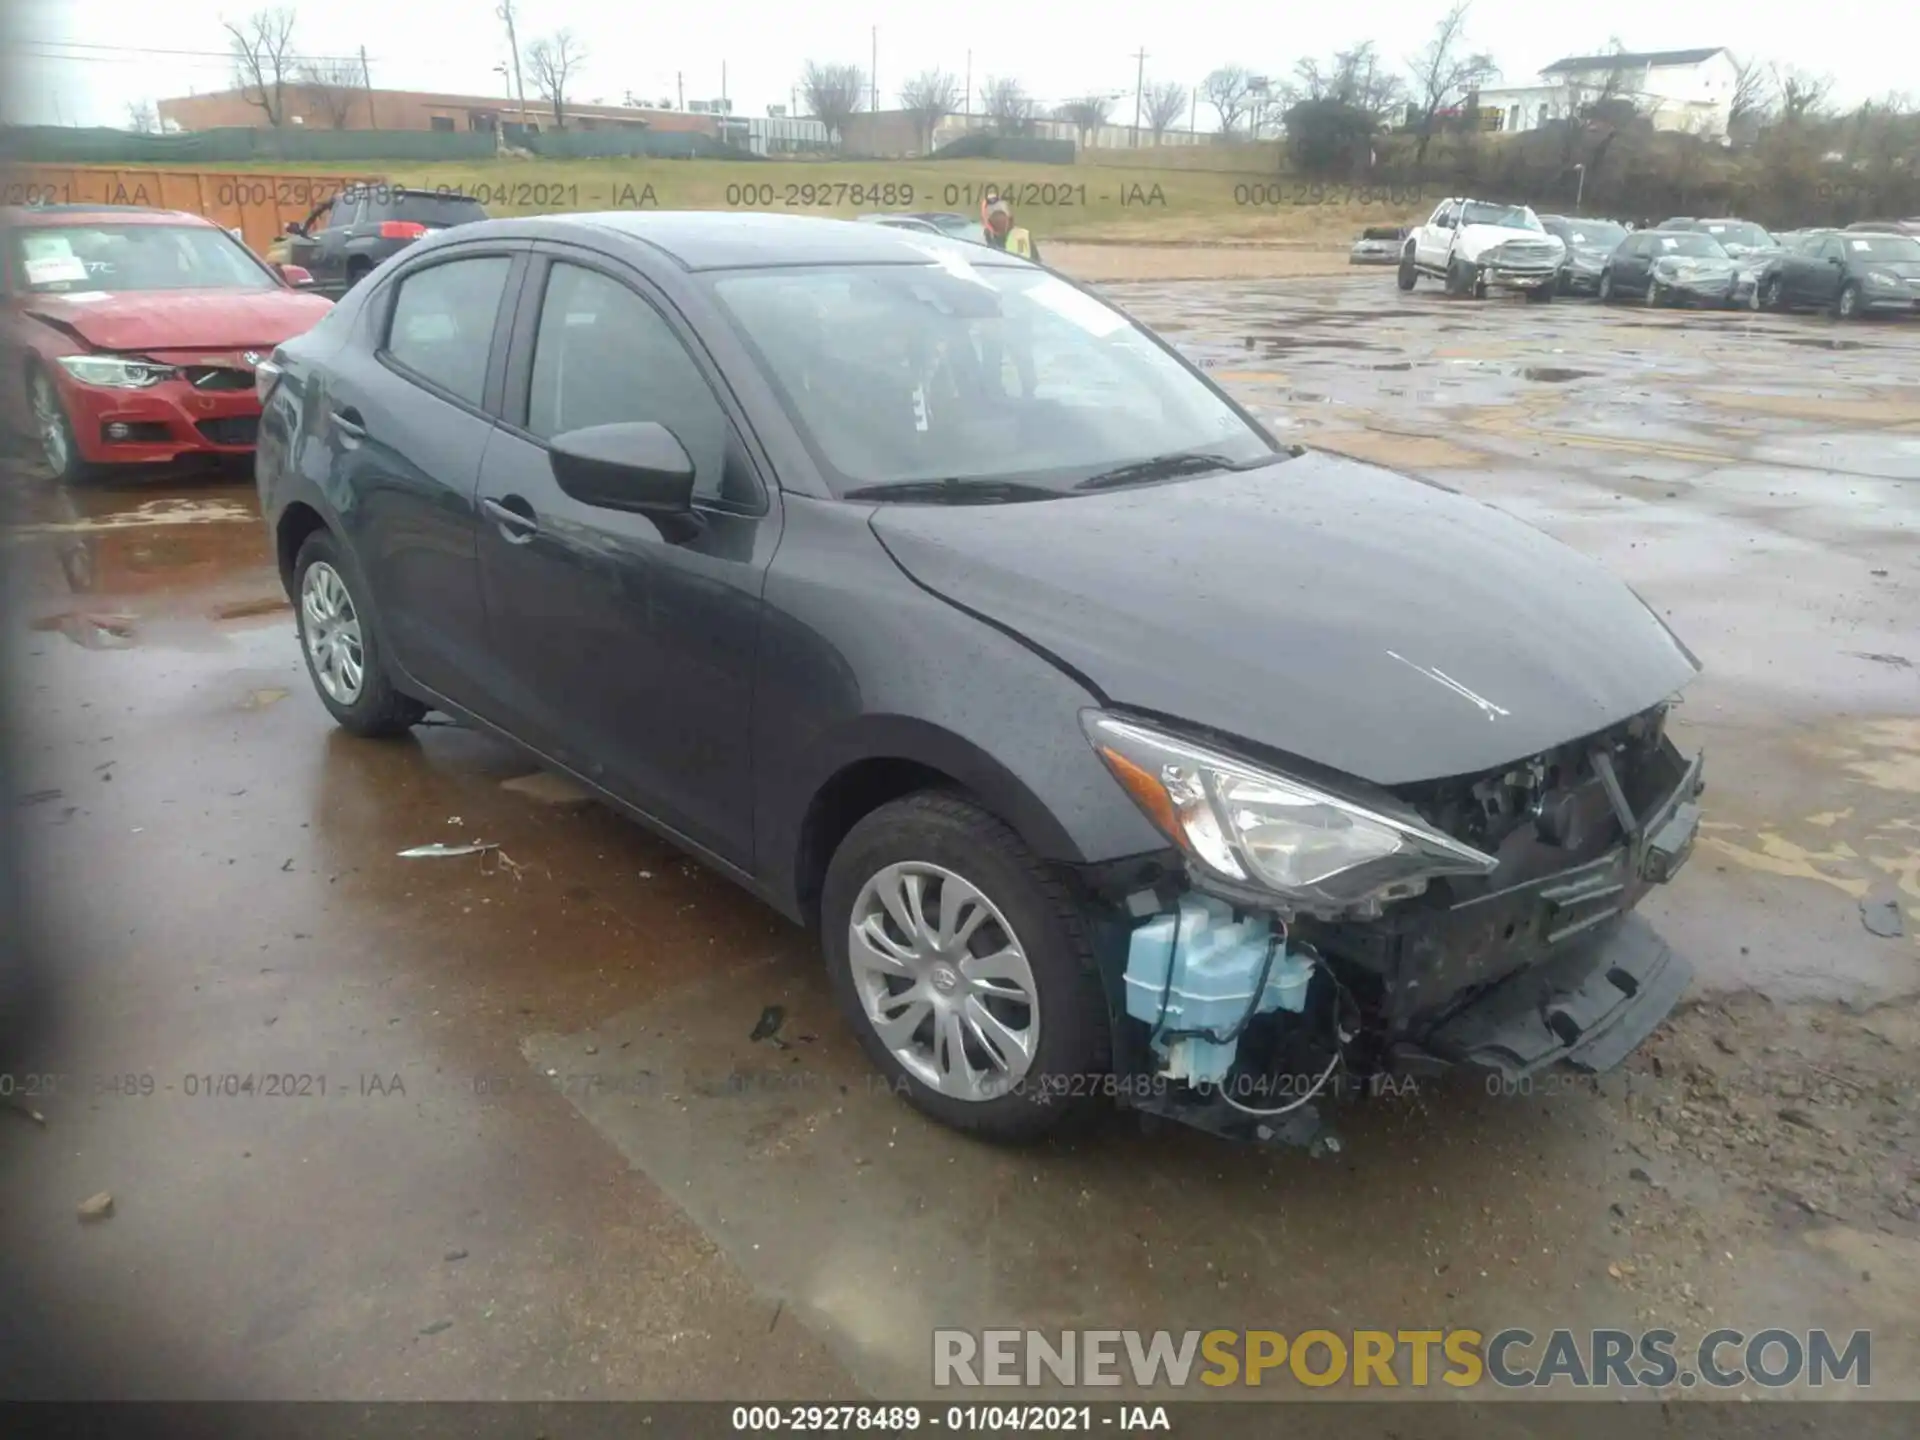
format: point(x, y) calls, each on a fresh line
point(1379, 245)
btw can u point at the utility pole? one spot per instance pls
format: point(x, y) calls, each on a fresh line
point(968, 97)
point(873, 73)
point(723, 86)
point(679, 90)
point(367, 76)
point(505, 12)
point(1139, 84)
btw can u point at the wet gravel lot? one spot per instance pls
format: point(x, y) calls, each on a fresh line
point(519, 1143)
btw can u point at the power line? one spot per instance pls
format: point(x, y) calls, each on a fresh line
point(149, 50)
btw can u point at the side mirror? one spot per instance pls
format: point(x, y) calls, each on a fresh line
point(1835, 260)
point(297, 276)
point(637, 467)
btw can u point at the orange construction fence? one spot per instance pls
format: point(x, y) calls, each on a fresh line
point(256, 203)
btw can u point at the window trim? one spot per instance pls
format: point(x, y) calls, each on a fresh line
point(487, 407)
point(517, 373)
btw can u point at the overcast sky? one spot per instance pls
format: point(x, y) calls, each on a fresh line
point(112, 56)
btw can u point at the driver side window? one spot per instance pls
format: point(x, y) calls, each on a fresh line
point(604, 356)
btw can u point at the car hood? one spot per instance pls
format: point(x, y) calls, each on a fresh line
point(1697, 264)
point(180, 319)
point(1905, 269)
point(1330, 610)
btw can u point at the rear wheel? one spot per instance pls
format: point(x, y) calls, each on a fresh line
point(964, 965)
point(342, 650)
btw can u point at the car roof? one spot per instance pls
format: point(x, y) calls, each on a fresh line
point(29, 216)
point(717, 240)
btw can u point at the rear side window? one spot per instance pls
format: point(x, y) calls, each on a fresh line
point(442, 324)
point(604, 356)
point(435, 211)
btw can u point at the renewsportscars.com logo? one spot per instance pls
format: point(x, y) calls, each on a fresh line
point(1509, 1359)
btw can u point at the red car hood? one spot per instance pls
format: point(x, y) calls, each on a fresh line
point(182, 319)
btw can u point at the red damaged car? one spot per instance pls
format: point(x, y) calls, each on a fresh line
point(131, 335)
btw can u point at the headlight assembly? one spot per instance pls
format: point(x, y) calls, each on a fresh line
point(1254, 828)
point(115, 372)
point(1881, 278)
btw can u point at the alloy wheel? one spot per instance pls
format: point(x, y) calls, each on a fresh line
point(330, 628)
point(944, 981)
point(50, 422)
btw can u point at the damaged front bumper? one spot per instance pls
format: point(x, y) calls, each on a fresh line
point(1553, 970)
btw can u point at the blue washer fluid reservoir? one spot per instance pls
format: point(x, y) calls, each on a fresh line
point(1195, 968)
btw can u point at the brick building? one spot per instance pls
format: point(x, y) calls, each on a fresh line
point(314, 109)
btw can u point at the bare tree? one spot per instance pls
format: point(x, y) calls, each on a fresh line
point(1802, 95)
point(1354, 78)
point(1007, 106)
point(1230, 91)
point(834, 93)
point(1753, 95)
point(335, 86)
point(1444, 73)
point(1086, 115)
point(1163, 104)
point(552, 63)
point(262, 46)
point(142, 118)
point(929, 98)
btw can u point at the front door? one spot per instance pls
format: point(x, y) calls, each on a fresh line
point(631, 654)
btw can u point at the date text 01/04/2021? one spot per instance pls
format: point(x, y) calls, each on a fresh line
point(953, 1419)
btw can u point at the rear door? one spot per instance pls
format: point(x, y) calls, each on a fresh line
point(1436, 236)
point(407, 420)
point(631, 654)
point(329, 265)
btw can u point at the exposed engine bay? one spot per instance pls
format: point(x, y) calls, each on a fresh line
point(1248, 1017)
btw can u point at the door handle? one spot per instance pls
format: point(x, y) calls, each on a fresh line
point(514, 517)
point(348, 422)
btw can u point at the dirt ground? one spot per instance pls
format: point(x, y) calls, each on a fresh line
point(550, 1162)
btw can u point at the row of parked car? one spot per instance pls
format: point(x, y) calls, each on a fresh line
point(1473, 247)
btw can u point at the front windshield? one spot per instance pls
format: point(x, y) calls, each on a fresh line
point(1512, 217)
point(973, 375)
point(106, 257)
point(1594, 234)
point(1892, 248)
point(1688, 243)
point(1739, 232)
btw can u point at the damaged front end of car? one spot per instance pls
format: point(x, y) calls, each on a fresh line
point(1321, 937)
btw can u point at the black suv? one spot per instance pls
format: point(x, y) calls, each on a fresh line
point(344, 238)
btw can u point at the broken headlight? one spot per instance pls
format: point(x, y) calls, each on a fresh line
point(1255, 828)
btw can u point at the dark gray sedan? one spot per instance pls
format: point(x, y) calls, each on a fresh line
point(1113, 749)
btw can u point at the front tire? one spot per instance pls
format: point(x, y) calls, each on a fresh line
point(1409, 273)
point(342, 648)
point(1540, 295)
point(1846, 305)
point(1605, 292)
point(1656, 297)
point(59, 450)
point(1769, 293)
point(964, 965)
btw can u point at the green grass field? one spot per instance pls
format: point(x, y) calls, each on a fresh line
point(1067, 202)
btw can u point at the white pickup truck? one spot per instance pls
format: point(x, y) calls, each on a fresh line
point(1473, 246)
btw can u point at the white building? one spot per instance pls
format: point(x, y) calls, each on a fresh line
point(1688, 90)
